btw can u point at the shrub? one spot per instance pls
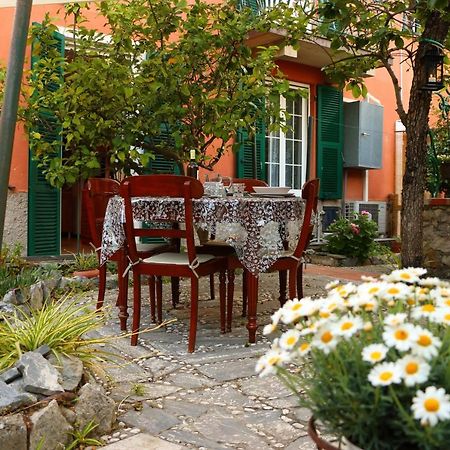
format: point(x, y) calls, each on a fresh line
point(353, 238)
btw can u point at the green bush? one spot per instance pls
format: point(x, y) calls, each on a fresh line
point(353, 238)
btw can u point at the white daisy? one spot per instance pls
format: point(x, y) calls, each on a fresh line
point(276, 316)
point(269, 329)
point(425, 344)
point(442, 316)
point(295, 309)
point(304, 348)
point(396, 291)
point(393, 320)
point(374, 353)
point(344, 290)
point(402, 337)
point(348, 325)
point(384, 374)
point(414, 370)
point(408, 275)
point(431, 406)
point(427, 310)
point(288, 339)
point(430, 282)
point(268, 363)
point(332, 285)
point(325, 339)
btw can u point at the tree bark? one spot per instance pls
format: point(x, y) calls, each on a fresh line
point(436, 28)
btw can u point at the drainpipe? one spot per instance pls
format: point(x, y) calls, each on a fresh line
point(10, 106)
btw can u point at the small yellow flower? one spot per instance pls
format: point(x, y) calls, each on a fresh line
point(431, 406)
point(374, 353)
point(385, 374)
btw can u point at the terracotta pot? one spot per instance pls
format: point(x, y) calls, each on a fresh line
point(322, 444)
point(93, 273)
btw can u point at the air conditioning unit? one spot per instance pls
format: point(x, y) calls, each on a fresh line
point(378, 211)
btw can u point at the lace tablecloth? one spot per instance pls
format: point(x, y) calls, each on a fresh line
point(256, 227)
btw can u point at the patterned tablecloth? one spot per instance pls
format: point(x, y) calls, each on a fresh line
point(256, 227)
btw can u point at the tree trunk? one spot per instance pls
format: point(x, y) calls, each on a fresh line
point(436, 28)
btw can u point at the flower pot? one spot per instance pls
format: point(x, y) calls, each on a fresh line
point(322, 444)
point(93, 273)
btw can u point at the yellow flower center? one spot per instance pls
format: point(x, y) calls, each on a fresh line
point(401, 335)
point(393, 290)
point(447, 302)
point(332, 306)
point(346, 326)
point(411, 368)
point(424, 340)
point(291, 340)
point(296, 307)
point(431, 404)
point(369, 307)
point(324, 314)
point(375, 355)
point(428, 308)
point(386, 376)
point(326, 337)
point(405, 276)
point(447, 317)
point(410, 301)
point(374, 290)
point(273, 360)
point(304, 346)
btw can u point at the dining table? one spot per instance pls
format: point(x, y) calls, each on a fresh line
point(258, 227)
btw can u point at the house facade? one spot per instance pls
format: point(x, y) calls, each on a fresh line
point(355, 146)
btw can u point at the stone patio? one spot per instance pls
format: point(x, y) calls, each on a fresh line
point(210, 399)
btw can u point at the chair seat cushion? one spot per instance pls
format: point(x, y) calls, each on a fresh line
point(148, 247)
point(180, 259)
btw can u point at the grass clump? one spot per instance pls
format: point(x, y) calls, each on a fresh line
point(61, 325)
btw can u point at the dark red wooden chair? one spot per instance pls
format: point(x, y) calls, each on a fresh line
point(96, 195)
point(174, 263)
point(290, 264)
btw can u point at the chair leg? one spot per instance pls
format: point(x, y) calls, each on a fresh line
point(193, 315)
point(300, 281)
point(175, 286)
point(159, 298)
point(151, 287)
point(252, 284)
point(282, 276)
point(230, 298)
point(122, 298)
point(136, 307)
point(102, 287)
point(212, 293)
point(292, 283)
point(222, 300)
point(244, 295)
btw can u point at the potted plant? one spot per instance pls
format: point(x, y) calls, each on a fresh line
point(371, 361)
point(85, 265)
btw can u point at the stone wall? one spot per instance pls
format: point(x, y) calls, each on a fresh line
point(436, 237)
point(16, 219)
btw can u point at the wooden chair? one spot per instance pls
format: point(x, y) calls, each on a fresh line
point(289, 264)
point(96, 195)
point(174, 264)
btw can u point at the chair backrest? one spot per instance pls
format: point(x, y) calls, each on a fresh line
point(96, 195)
point(249, 183)
point(310, 193)
point(160, 186)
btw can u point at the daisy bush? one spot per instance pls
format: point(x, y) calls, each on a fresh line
point(371, 361)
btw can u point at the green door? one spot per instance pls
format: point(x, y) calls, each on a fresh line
point(44, 201)
point(330, 139)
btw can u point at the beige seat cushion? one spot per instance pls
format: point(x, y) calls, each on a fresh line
point(179, 259)
point(148, 247)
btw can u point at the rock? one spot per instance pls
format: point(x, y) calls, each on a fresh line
point(64, 283)
point(94, 404)
point(13, 432)
point(14, 297)
point(43, 350)
point(37, 296)
point(50, 431)
point(53, 282)
point(10, 375)
point(143, 441)
point(39, 376)
point(10, 398)
point(6, 308)
point(70, 415)
point(70, 369)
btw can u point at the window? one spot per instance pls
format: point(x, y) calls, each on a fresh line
point(287, 152)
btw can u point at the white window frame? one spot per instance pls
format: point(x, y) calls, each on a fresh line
point(305, 101)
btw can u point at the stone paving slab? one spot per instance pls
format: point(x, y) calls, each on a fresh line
point(143, 441)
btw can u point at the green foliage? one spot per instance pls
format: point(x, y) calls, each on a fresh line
point(81, 437)
point(354, 238)
point(166, 68)
point(61, 325)
point(84, 261)
point(325, 358)
point(2, 84)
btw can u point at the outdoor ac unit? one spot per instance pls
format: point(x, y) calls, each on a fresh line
point(378, 211)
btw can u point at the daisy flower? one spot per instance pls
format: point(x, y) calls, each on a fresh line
point(344, 290)
point(396, 291)
point(268, 363)
point(394, 320)
point(304, 348)
point(427, 310)
point(385, 374)
point(442, 316)
point(408, 275)
point(414, 370)
point(332, 285)
point(402, 336)
point(295, 309)
point(288, 339)
point(431, 406)
point(325, 339)
point(425, 344)
point(348, 325)
point(276, 316)
point(374, 353)
point(430, 282)
point(269, 329)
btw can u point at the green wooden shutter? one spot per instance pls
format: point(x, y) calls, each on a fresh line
point(254, 5)
point(251, 156)
point(330, 137)
point(44, 201)
point(161, 164)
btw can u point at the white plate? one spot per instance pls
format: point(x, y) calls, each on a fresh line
point(269, 190)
